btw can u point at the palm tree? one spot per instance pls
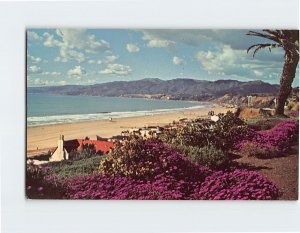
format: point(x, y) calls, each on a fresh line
point(289, 41)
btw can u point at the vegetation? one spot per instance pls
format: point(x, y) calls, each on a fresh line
point(73, 168)
point(289, 41)
point(145, 159)
point(250, 149)
point(40, 184)
point(87, 151)
point(278, 139)
point(208, 156)
point(237, 185)
point(222, 134)
point(147, 169)
point(188, 163)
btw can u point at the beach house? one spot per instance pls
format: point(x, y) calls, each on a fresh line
point(62, 152)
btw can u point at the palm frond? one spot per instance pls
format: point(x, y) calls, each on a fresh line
point(262, 46)
point(268, 36)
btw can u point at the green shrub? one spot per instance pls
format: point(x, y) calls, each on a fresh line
point(222, 134)
point(250, 149)
point(147, 159)
point(72, 168)
point(265, 124)
point(208, 156)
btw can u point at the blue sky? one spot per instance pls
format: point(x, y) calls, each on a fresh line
point(89, 56)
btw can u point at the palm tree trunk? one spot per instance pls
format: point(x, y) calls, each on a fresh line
point(287, 77)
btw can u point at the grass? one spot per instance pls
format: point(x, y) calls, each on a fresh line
point(71, 168)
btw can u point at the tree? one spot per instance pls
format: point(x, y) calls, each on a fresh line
point(289, 41)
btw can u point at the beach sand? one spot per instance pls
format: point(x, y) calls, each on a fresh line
point(43, 138)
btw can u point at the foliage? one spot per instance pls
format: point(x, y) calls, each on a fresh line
point(145, 159)
point(264, 124)
point(40, 184)
point(258, 150)
point(289, 41)
point(280, 137)
point(87, 151)
point(125, 188)
point(237, 185)
point(80, 167)
point(221, 134)
point(270, 143)
point(294, 114)
point(149, 170)
point(208, 156)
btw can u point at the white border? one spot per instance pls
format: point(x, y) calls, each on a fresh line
point(20, 215)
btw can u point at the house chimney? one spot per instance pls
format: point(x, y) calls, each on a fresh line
point(60, 146)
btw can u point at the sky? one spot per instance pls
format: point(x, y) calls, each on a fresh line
point(88, 56)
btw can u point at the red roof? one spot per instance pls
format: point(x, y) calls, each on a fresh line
point(103, 146)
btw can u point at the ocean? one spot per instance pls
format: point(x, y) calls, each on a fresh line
point(45, 109)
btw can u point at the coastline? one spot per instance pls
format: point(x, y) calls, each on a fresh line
point(44, 137)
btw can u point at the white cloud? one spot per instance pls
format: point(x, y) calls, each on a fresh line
point(77, 71)
point(91, 61)
point(234, 62)
point(237, 39)
point(155, 41)
point(47, 73)
point(110, 59)
point(49, 40)
point(42, 82)
point(95, 46)
point(73, 43)
point(33, 36)
point(67, 54)
point(178, 61)
point(80, 39)
point(99, 62)
point(34, 59)
point(132, 48)
point(55, 73)
point(34, 69)
point(117, 69)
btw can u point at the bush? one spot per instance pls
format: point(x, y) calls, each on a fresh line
point(222, 134)
point(150, 170)
point(82, 167)
point(126, 188)
point(294, 114)
point(40, 184)
point(145, 159)
point(237, 185)
point(265, 124)
point(279, 137)
point(257, 150)
point(208, 156)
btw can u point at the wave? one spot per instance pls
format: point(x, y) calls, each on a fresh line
point(60, 119)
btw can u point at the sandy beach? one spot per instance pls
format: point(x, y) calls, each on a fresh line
point(45, 137)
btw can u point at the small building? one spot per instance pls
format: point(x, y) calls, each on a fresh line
point(64, 148)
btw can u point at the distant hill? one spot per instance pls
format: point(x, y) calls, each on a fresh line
point(156, 88)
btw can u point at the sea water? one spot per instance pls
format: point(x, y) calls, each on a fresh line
point(45, 109)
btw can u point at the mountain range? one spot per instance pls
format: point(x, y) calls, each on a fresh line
point(190, 89)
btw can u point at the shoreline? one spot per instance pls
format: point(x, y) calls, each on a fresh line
point(44, 137)
point(141, 113)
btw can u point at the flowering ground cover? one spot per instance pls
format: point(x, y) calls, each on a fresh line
point(155, 169)
point(164, 175)
point(278, 139)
